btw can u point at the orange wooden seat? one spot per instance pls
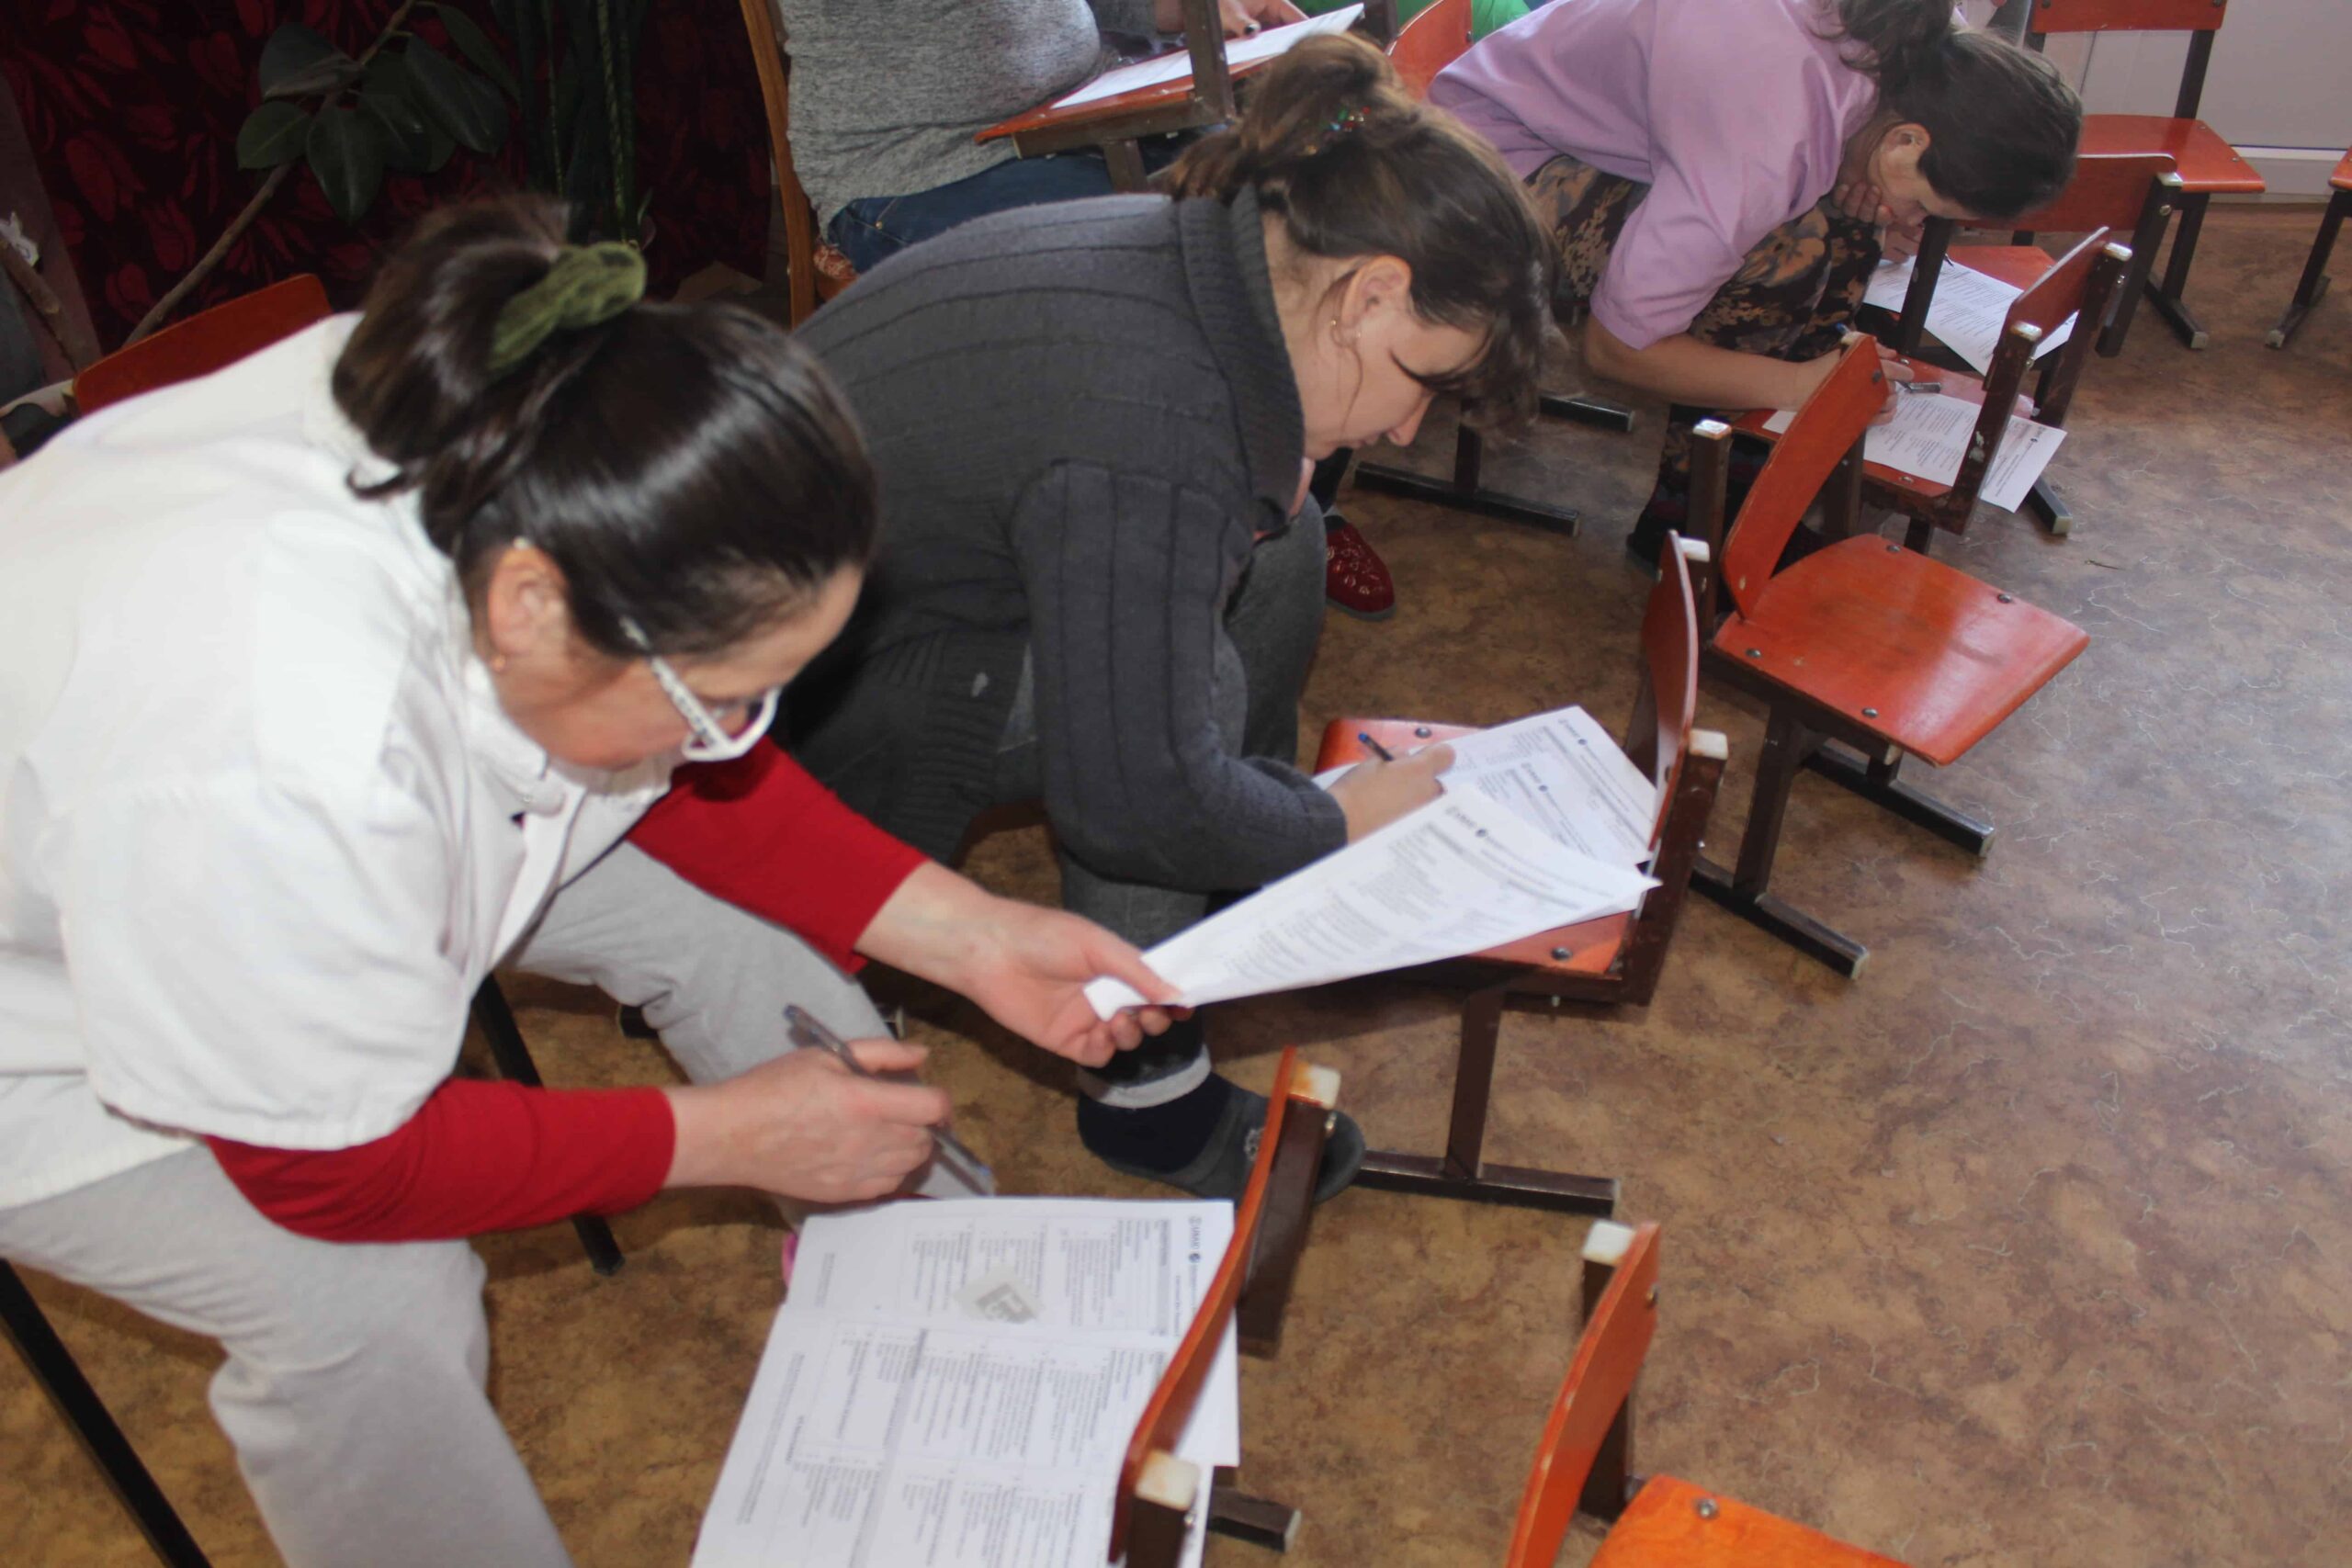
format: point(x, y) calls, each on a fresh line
point(204, 342)
point(2208, 164)
point(1863, 643)
point(1158, 1490)
point(2315, 280)
point(2082, 281)
point(1606, 961)
point(1916, 654)
point(1584, 1462)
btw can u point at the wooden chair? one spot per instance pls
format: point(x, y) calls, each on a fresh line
point(2133, 193)
point(1424, 47)
point(210, 341)
point(816, 270)
point(1584, 1463)
point(52, 1367)
point(1863, 642)
point(1609, 961)
point(2207, 164)
point(2082, 281)
point(204, 342)
point(1158, 1491)
point(2314, 280)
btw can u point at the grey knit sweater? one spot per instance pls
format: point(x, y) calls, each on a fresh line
point(887, 94)
point(1081, 416)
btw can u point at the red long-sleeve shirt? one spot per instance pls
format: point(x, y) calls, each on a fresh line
point(758, 832)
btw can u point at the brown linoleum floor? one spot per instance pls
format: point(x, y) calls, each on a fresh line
point(2029, 1246)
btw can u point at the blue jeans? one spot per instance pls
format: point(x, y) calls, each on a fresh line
point(872, 228)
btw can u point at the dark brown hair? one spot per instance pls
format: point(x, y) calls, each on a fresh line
point(688, 468)
point(1330, 140)
point(2002, 123)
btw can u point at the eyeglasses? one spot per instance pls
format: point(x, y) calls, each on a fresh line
point(712, 739)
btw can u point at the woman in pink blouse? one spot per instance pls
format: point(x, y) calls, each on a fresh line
point(1721, 175)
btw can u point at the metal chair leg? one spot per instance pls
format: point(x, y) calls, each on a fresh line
point(1744, 891)
point(513, 1059)
point(1463, 492)
point(2165, 298)
point(2313, 286)
point(54, 1367)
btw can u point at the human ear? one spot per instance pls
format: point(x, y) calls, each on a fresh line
point(526, 611)
point(1380, 288)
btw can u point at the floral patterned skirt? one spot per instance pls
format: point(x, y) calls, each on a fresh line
point(1793, 297)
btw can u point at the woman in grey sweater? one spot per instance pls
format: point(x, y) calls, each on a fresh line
point(1099, 580)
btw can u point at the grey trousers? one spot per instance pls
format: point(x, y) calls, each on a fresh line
point(1271, 626)
point(353, 1390)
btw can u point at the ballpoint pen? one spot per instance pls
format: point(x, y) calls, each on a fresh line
point(1383, 752)
point(1920, 386)
point(968, 1167)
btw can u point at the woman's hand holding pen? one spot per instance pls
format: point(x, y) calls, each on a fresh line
point(805, 1126)
point(1379, 790)
point(1241, 18)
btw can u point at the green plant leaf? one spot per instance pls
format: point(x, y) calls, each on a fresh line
point(272, 134)
point(455, 100)
point(408, 145)
point(475, 45)
point(347, 150)
point(297, 63)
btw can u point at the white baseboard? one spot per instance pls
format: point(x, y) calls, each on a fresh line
point(2293, 173)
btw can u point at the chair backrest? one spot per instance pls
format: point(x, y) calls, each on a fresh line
point(2125, 15)
point(775, 66)
point(1617, 1334)
point(2200, 20)
point(2083, 280)
point(1153, 1480)
point(1430, 42)
point(2108, 190)
point(1825, 431)
point(204, 342)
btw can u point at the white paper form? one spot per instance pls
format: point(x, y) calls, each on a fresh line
point(1559, 771)
point(895, 1421)
point(1177, 64)
point(1459, 875)
point(1968, 312)
point(1928, 436)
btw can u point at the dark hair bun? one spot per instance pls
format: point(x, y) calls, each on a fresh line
point(1330, 140)
point(689, 468)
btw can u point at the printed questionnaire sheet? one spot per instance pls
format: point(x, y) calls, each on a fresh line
point(1928, 436)
point(953, 1384)
point(1969, 311)
point(1461, 874)
point(1176, 65)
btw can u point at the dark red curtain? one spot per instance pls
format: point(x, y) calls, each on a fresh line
point(133, 108)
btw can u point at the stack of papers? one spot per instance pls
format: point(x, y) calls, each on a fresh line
point(1928, 437)
point(1541, 826)
point(1968, 312)
point(955, 1385)
point(1177, 64)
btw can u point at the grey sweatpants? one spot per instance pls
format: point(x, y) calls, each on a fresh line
point(1270, 626)
point(353, 1390)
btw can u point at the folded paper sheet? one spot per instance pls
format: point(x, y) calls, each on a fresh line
point(1461, 874)
point(953, 1384)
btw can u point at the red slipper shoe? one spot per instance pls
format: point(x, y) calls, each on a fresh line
point(1355, 578)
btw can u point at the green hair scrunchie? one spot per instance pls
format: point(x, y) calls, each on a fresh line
point(585, 285)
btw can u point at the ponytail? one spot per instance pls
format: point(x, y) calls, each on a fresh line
point(1330, 141)
point(2001, 121)
point(689, 468)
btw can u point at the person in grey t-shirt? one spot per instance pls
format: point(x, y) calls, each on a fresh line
point(886, 96)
